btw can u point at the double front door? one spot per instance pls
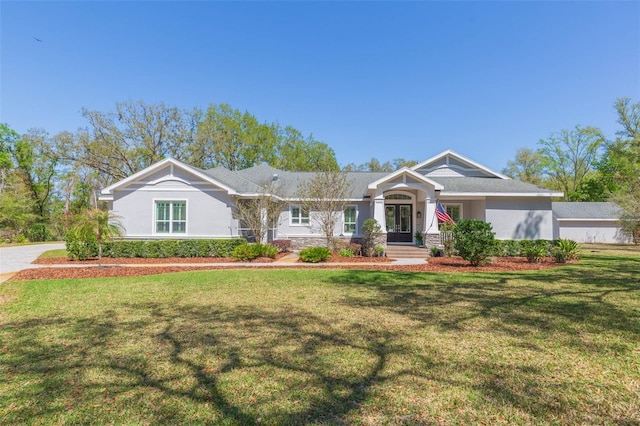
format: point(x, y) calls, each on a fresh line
point(398, 219)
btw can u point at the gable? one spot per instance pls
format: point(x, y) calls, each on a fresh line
point(171, 178)
point(451, 164)
point(168, 174)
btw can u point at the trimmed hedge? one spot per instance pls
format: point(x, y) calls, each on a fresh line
point(157, 248)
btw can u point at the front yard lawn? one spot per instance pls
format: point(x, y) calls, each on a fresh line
point(300, 346)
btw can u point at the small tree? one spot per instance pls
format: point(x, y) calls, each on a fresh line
point(101, 225)
point(326, 195)
point(474, 241)
point(260, 213)
point(371, 235)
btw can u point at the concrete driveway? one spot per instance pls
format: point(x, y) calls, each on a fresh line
point(14, 259)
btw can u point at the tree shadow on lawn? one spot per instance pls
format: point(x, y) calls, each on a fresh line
point(570, 300)
point(246, 364)
point(177, 364)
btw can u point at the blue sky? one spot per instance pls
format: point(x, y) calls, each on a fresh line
point(382, 79)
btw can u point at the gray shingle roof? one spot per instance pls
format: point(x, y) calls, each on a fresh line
point(251, 180)
point(567, 210)
point(494, 185)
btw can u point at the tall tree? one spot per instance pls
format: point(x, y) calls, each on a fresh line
point(27, 185)
point(620, 166)
point(569, 156)
point(374, 165)
point(325, 197)
point(299, 154)
point(526, 167)
point(237, 140)
point(8, 140)
point(232, 139)
point(36, 163)
point(125, 141)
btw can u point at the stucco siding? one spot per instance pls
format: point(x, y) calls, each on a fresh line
point(520, 218)
point(209, 214)
point(592, 231)
point(288, 230)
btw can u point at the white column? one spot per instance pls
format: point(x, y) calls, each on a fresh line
point(378, 212)
point(430, 219)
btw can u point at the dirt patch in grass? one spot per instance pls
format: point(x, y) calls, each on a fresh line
point(125, 267)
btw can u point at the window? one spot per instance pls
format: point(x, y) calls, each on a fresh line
point(350, 219)
point(171, 217)
point(397, 197)
point(454, 211)
point(299, 215)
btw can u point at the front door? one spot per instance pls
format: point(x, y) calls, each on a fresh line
point(398, 221)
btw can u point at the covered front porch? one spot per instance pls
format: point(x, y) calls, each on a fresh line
point(404, 203)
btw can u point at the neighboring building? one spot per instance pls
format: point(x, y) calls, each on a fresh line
point(588, 222)
point(173, 200)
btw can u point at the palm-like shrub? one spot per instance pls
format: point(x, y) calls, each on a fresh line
point(99, 226)
point(565, 250)
point(534, 251)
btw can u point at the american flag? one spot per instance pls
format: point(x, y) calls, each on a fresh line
point(442, 214)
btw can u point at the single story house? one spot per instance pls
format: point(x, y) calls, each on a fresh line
point(171, 199)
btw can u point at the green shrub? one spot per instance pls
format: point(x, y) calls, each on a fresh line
point(172, 248)
point(269, 250)
point(512, 248)
point(474, 241)
point(186, 248)
point(564, 250)
point(347, 252)
point(249, 252)
point(38, 232)
point(534, 251)
point(315, 254)
point(123, 248)
point(246, 252)
point(80, 247)
point(379, 251)
point(436, 252)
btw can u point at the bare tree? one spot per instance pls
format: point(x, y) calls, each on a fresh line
point(326, 196)
point(260, 212)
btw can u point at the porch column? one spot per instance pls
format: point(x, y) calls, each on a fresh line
point(430, 219)
point(378, 212)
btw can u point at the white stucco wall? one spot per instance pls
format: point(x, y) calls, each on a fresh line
point(288, 230)
point(209, 213)
point(520, 218)
point(590, 231)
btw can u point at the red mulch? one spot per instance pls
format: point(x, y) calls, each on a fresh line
point(113, 268)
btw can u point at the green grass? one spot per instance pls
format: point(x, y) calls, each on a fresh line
point(240, 347)
point(53, 254)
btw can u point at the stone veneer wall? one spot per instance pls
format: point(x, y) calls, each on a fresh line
point(298, 243)
point(432, 240)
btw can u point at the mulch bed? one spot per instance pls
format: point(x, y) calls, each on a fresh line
point(113, 267)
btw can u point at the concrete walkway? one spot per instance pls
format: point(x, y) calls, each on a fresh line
point(17, 258)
